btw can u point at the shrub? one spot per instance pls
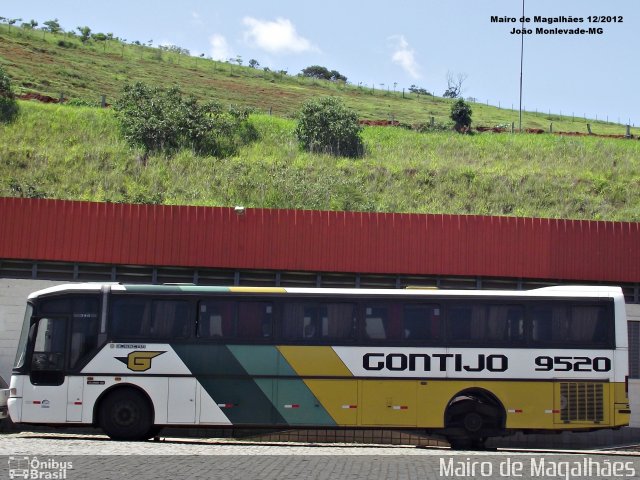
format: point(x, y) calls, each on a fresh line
point(461, 115)
point(8, 104)
point(326, 125)
point(161, 120)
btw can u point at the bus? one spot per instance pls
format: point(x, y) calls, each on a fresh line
point(466, 365)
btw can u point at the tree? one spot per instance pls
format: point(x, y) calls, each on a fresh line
point(253, 63)
point(100, 37)
point(161, 120)
point(8, 104)
point(322, 73)
point(461, 115)
point(316, 71)
point(326, 125)
point(85, 34)
point(454, 85)
point(419, 90)
point(12, 21)
point(51, 26)
point(337, 76)
point(30, 25)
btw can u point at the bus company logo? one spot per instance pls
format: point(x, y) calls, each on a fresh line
point(26, 467)
point(442, 362)
point(139, 361)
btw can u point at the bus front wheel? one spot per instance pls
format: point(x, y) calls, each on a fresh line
point(125, 414)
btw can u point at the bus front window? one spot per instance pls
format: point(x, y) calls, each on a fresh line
point(24, 337)
point(48, 350)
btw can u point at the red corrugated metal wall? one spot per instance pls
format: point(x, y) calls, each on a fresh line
point(393, 243)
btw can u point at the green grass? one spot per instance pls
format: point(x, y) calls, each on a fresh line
point(57, 151)
point(59, 64)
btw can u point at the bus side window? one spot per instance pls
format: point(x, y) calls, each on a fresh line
point(296, 321)
point(421, 322)
point(337, 321)
point(130, 317)
point(254, 320)
point(84, 336)
point(504, 323)
point(459, 323)
point(541, 324)
point(376, 320)
point(589, 325)
point(551, 325)
point(318, 321)
point(216, 319)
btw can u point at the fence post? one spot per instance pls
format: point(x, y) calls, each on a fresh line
point(551, 127)
point(403, 93)
point(589, 128)
point(513, 125)
point(270, 110)
point(103, 101)
point(61, 97)
point(433, 121)
point(628, 135)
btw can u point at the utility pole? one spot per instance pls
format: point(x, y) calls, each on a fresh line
point(521, 58)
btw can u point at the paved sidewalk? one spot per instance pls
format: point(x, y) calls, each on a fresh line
point(41, 455)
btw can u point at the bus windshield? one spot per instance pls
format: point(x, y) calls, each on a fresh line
point(24, 335)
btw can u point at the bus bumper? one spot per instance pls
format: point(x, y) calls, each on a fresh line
point(15, 399)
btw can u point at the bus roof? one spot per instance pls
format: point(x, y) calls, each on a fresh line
point(555, 291)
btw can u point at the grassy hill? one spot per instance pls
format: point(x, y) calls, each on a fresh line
point(71, 152)
point(76, 152)
point(60, 64)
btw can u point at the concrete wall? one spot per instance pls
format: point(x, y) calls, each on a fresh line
point(13, 299)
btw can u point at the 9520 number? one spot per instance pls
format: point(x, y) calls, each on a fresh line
point(573, 364)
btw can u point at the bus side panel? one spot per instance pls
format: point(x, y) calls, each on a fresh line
point(389, 402)
point(157, 388)
point(339, 398)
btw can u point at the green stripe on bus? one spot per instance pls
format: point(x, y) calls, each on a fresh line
point(262, 360)
point(293, 400)
point(175, 289)
point(248, 400)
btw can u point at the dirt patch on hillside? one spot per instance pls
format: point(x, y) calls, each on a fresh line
point(491, 129)
point(38, 97)
point(581, 134)
point(379, 123)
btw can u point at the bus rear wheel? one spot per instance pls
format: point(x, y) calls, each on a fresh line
point(126, 414)
point(470, 420)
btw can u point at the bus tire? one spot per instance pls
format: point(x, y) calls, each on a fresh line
point(470, 420)
point(126, 414)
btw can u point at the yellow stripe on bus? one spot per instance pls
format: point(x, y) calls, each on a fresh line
point(257, 290)
point(314, 361)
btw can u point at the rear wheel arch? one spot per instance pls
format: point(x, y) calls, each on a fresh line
point(480, 395)
point(472, 415)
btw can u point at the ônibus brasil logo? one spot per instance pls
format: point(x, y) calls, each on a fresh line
point(27, 467)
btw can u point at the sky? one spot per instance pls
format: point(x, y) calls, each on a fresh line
point(397, 44)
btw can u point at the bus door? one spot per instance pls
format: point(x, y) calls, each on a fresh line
point(50, 395)
point(45, 392)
